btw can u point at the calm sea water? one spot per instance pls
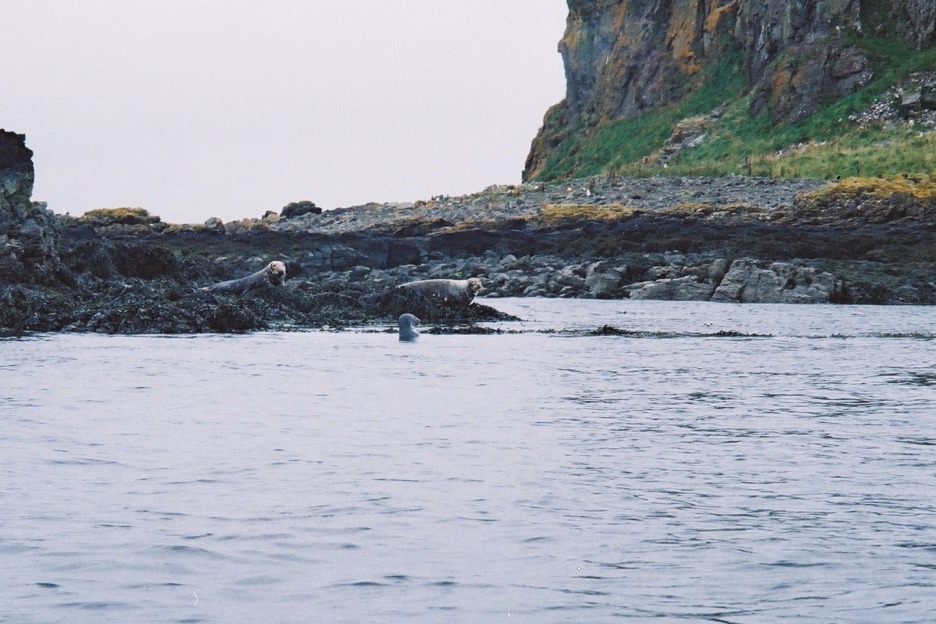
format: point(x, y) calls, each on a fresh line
point(723, 463)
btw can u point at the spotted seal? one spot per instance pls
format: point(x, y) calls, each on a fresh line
point(273, 273)
point(444, 292)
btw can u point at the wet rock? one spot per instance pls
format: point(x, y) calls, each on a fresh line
point(687, 288)
point(395, 302)
point(144, 261)
point(469, 330)
point(779, 282)
point(603, 280)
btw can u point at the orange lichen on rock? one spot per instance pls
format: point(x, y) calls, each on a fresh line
point(552, 213)
point(922, 188)
point(119, 216)
point(681, 36)
point(717, 14)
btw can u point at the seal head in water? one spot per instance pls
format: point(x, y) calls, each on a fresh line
point(408, 323)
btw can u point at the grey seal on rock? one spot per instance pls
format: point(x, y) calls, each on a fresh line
point(273, 273)
point(407, 324)
point(445, 292)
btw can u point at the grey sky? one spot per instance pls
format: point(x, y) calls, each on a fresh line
point(229, 108)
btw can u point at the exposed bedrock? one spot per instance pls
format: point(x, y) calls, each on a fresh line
point(28, 230)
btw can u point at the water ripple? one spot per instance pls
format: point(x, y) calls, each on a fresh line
point(693, 463)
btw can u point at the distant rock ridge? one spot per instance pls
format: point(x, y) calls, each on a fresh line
point(623, 58)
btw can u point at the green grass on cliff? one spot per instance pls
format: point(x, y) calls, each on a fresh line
point(825, 145)
point(621, 144)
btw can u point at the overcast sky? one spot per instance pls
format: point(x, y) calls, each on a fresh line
point(229, 108)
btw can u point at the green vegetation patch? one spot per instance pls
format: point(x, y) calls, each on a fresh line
point(921, 188)
point(625, 142)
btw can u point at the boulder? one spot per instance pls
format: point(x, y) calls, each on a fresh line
point(214, 224)
point(297, 209)
point(119, 216)
point(603, 280)
point(569, 279)
point(686, 288)
point(779, 282)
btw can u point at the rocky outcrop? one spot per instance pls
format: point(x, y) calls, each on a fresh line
point(796, 55)
point(778, 282)
point(16, 167)
point(913, 20)
point(28, 231)
point(623, 58)
point(675, 277)
point(297, 209)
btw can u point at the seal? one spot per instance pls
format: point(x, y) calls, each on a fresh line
point(407, 324)
point(273, 273)
point(444, 292)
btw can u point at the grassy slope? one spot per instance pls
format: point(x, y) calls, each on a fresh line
point(824, 146)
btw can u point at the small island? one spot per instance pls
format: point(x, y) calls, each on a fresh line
point(730, 239)
point(715, 163)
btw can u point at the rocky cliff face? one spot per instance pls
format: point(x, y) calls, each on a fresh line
point(28, 252)
point(624, 57)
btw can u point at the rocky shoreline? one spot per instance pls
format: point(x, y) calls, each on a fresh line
point(730, 239)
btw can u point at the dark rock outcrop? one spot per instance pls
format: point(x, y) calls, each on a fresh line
point(28, 231)
point(913, 20)
point(779, 282)
point(297, 209)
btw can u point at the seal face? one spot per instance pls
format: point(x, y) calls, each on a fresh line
point(474, 285)
point(407, 323)
point(275, 272)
